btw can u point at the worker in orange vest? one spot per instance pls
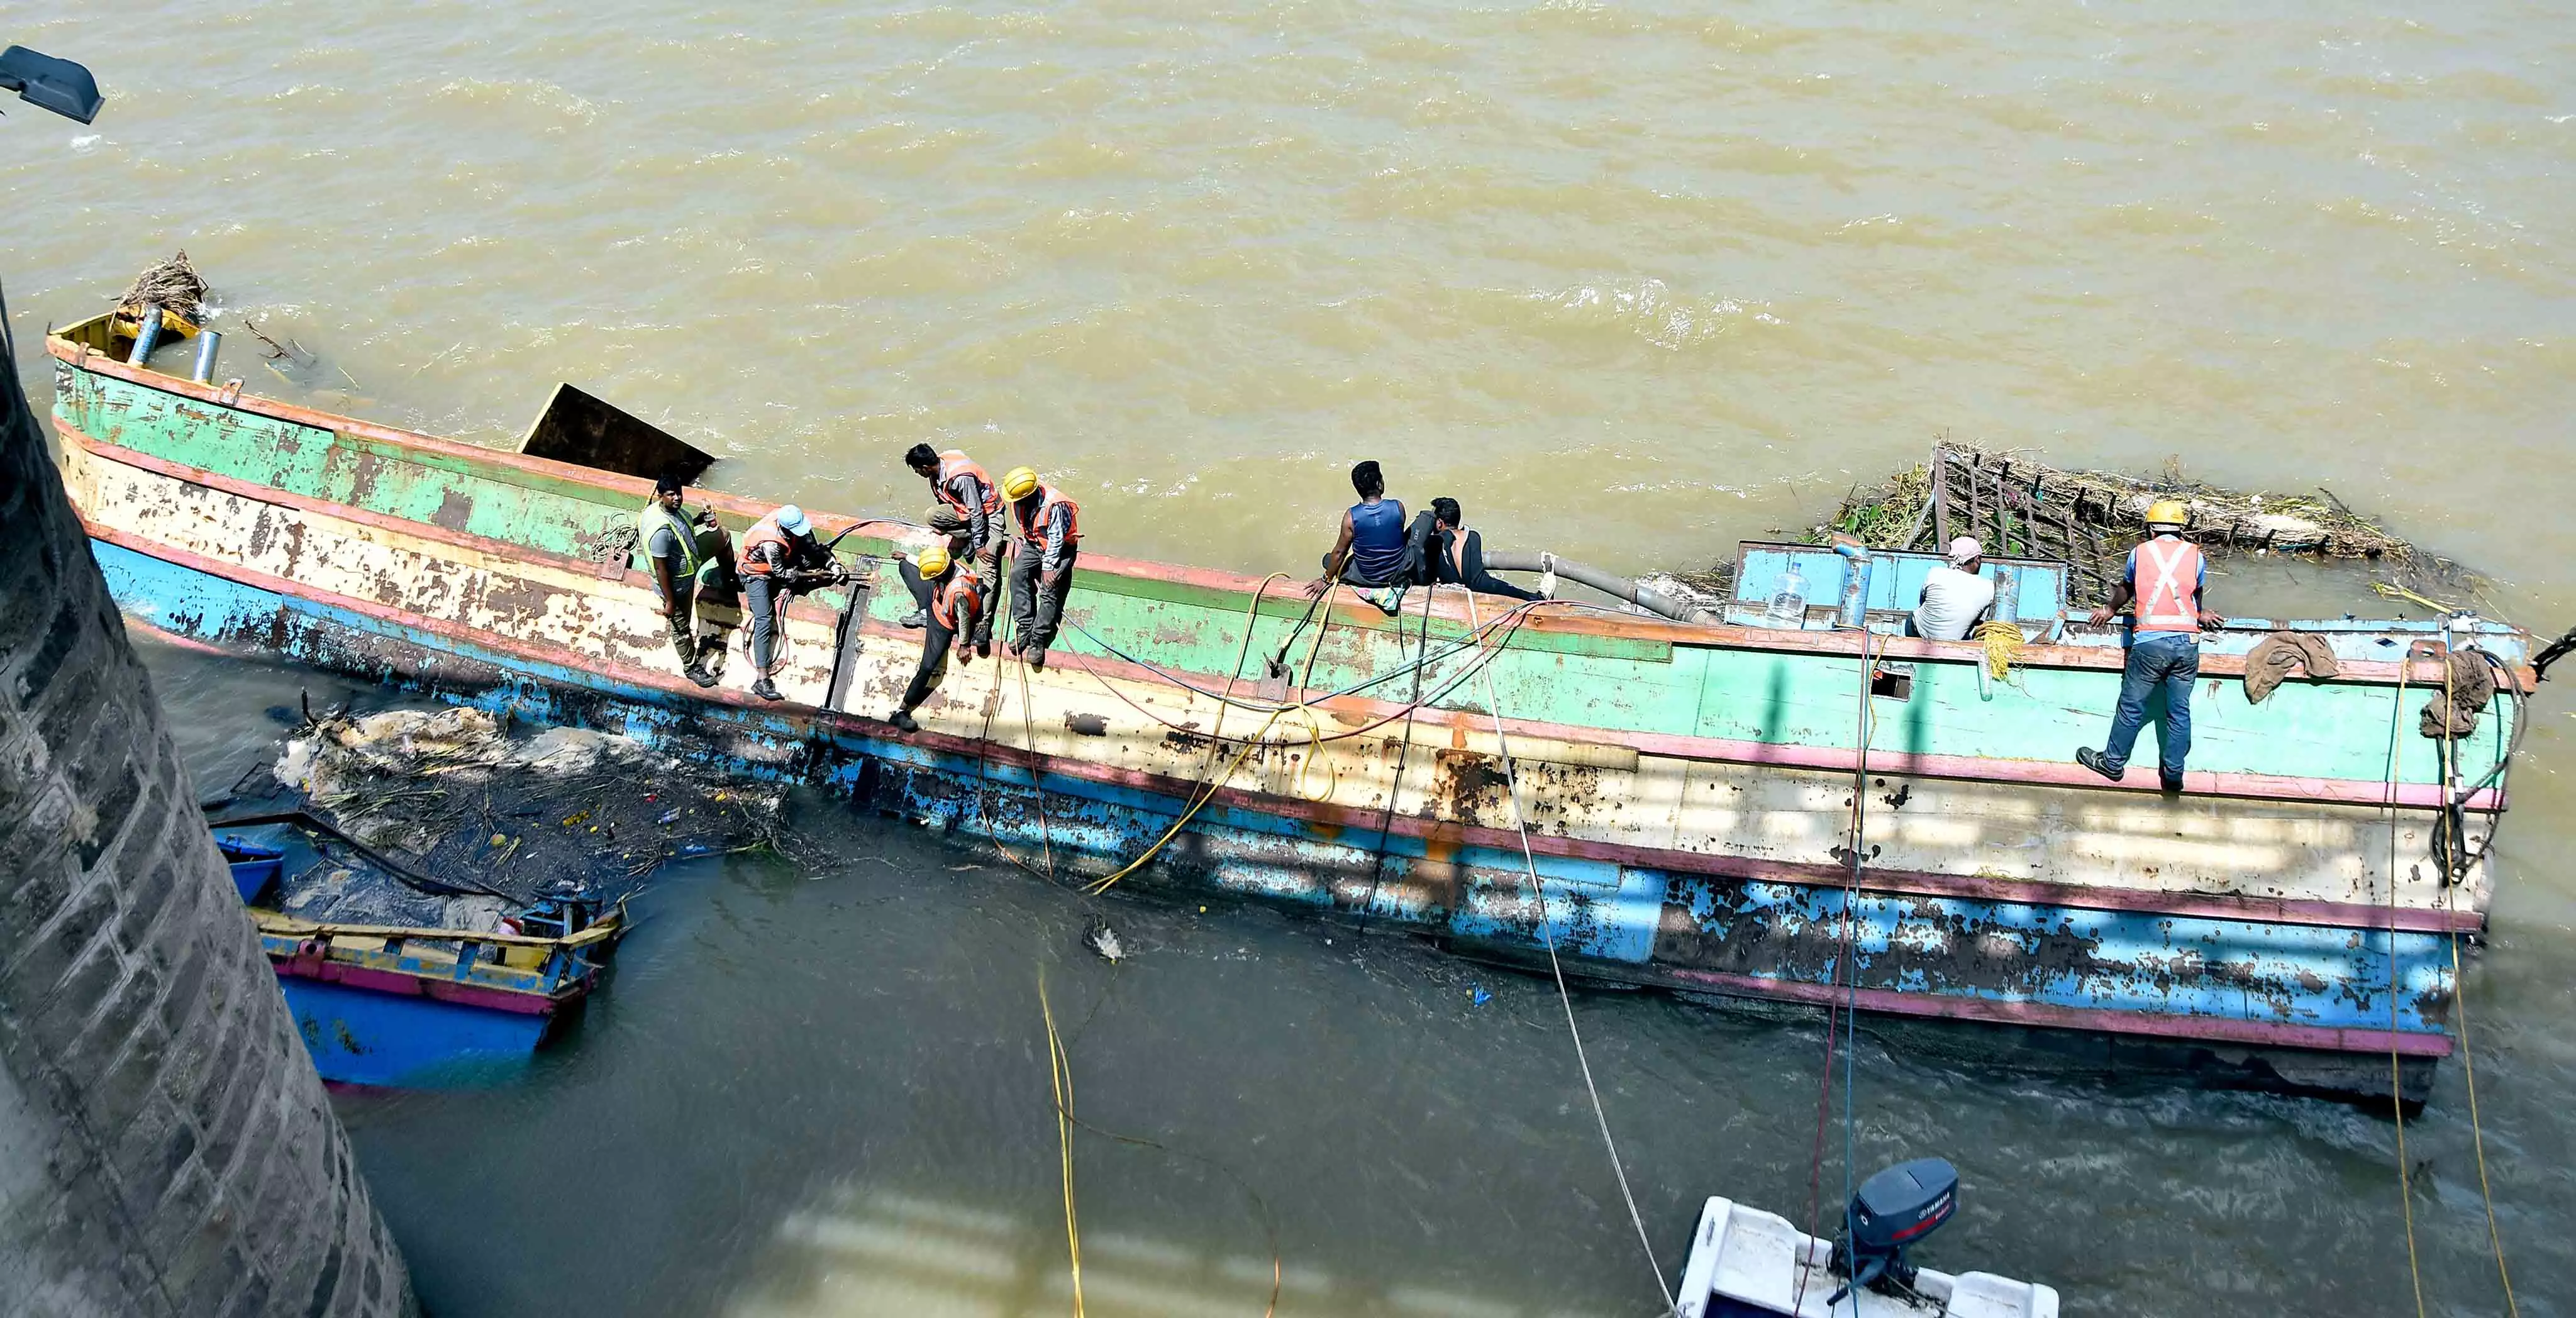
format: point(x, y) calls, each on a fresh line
point(779, 557)
point(967, 508)
point(952, 602)
point(2164, 579)
point(1046, 536)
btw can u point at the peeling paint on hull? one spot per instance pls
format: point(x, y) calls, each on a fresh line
point(2184, 991)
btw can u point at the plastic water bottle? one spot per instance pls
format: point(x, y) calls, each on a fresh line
point(1789, 602)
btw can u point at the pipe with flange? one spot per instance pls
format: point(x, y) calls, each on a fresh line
point(1644, 597)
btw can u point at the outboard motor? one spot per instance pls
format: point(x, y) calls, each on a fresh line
point(1893, 1210)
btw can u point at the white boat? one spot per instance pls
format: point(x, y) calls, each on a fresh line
point(1746, 1262)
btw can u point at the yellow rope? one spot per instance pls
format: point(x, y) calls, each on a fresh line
point(2396, 1091)
point(2003, 642)
point(1213, 782)
point(2477, 1131)
point(2459, 980)
point(1060, 1068)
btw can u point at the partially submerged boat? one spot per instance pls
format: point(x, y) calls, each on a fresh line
point(1804, 808)
point(405, 1002)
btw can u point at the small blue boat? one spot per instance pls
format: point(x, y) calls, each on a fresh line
point(409, 1005)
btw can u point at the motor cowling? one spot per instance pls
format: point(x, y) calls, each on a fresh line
point(1892, 1212)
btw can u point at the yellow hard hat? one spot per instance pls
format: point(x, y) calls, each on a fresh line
point(1018, 482)
point(932, 561)
point(2168, 512)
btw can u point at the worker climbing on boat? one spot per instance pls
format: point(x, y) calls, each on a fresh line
point(968, 510)
point(1046, 535)
point(689, 555)
point(779, 557)
point(2164, 579)
point(1956, 595)
point(952, 603)
point(1369, 550)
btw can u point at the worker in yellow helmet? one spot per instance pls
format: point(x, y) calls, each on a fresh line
point(2164, 579)
point(1046, 534)
point(952, 603)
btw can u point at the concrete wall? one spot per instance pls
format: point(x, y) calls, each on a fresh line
point(165, 1147)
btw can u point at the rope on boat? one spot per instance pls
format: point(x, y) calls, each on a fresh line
point(2452, 821)
point(2396, 1090)
point(1395, 781)
point(1845, 1017)
point(1547, 932)
point(2477, 1130)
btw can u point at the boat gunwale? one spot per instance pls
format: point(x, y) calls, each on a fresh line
point(1361, 819)
point(1585, 622)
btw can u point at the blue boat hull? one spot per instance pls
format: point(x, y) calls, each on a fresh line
point(1687, 930)
point(361, 1036)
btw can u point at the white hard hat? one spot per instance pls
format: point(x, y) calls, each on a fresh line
point(791, 519)
point(1966, 548)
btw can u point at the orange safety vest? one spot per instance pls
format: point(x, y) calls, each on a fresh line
point(960, 584)
point(763, 532)
point(955, 461)
point(1048, 501)
point(2168, 586)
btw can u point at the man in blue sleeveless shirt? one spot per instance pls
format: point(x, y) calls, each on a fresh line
point(1369, 553)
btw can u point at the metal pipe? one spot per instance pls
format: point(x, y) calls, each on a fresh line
point(208, 344)
point(1644, 597)
point(147, 333)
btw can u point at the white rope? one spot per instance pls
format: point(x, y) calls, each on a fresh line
point(1547, 933)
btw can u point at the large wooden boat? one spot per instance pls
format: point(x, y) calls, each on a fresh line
point(1690, 789)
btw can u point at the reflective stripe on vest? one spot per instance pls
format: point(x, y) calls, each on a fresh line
point(1048, 501)
point(943, 601)
point(654, 517)
point(763, 532)
point(954, 462)
point(2168, 586)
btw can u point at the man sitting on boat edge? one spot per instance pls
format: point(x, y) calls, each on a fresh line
point(1369, 550)
point(952, 603)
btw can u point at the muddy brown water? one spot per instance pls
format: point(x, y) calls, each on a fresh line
point(1632, 281)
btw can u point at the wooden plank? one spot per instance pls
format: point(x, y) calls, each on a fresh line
point(1940, 497)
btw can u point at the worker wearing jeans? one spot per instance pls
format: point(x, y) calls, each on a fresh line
point(2165, 578)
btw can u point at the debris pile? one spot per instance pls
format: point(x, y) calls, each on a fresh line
point(449, 793)
point(173, 285)
point(2022, 507)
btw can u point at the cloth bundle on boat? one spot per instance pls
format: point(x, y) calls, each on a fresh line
point(2273, 658)
point(2468, 684)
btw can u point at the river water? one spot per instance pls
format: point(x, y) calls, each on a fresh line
point(1632, 281)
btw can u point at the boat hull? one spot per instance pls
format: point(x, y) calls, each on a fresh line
point(362, 1035)
point(2053, 974)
